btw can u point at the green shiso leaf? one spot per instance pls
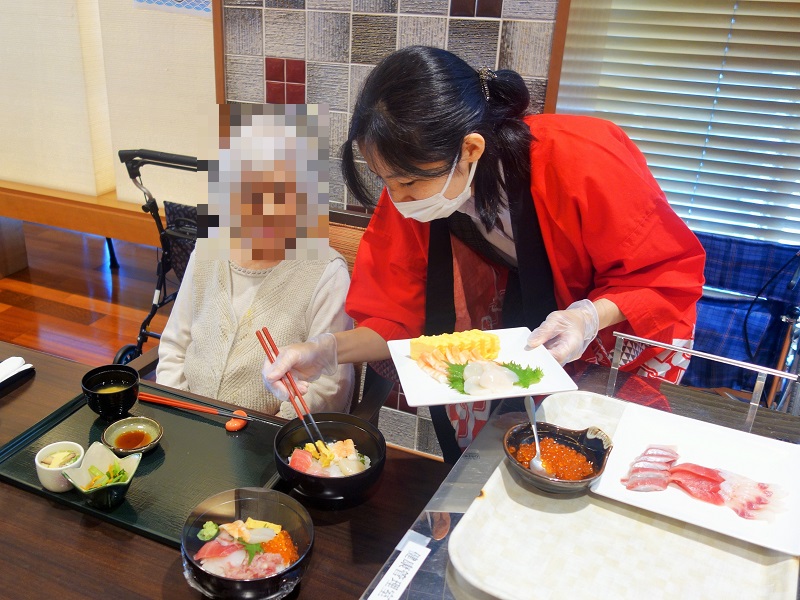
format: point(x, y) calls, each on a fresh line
point(527, 375)
point(252, 550)
point(455, 377)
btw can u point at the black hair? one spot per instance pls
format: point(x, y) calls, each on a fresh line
point(417, 106)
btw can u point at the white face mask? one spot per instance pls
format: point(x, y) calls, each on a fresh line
point(437, 206)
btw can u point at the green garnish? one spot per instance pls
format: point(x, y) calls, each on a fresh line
point(252, 549)
point(115, 474)
point(527, 375)
point(208, 532)
point(455, 377)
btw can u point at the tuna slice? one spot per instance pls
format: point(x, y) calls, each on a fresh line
point(698, 486)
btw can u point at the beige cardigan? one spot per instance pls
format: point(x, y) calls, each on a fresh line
point(205, 350)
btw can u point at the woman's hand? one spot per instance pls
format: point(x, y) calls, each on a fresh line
point(306, 361)
point(567, 333)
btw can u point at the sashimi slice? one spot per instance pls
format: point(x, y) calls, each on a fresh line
point(700, 471)
point(647, 481)
point(301, 460)
point(745, 496)
point(215, 549)
point(698, 486)
point(662, 451)
point(225, 566)
point(647, 465)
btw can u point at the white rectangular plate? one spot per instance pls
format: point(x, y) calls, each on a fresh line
point(585, 545)
point(759, 458)
point(421, 389)
point(517, 543)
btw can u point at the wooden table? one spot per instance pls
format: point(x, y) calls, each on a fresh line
point(53, 551)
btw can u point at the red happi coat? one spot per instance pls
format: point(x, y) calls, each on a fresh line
point(608, 230)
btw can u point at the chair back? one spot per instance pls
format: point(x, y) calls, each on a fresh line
point(747, 292)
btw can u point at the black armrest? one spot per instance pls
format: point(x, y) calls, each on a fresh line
point(146, 363)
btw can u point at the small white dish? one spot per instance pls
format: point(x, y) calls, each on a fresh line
point(108, 496)
point(52, 478)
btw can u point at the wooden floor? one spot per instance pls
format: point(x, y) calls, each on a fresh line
point(69, 303)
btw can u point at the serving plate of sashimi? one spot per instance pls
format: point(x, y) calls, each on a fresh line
point(475, 366)
point(735, 483)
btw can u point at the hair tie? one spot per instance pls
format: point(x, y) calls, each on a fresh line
point(485, 74)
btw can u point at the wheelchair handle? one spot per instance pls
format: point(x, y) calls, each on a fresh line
point(158, 157)
point(135, 159)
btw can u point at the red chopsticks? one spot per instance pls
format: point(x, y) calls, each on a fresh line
point(154, 399)
point(288, 380)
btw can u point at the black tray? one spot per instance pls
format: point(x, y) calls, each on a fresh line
point(196, 458)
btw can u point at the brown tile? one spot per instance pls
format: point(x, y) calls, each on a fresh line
point(276, 92)
point(296, 71)
point(474, 40)
point(462, 8)
point(275, 70)
point(489, 8)
point(525, 47)
point(295, 93)
point(373, 38)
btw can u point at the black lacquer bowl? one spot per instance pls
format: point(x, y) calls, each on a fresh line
point(592, 442)
point(334, 427)
point(111, 405)
point(260, 504)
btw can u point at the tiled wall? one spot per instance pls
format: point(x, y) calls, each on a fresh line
point(320, 51)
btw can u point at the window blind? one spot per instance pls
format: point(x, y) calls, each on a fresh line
point(710, 92)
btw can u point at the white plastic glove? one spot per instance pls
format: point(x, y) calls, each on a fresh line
point(307, 361)
point(567, 333)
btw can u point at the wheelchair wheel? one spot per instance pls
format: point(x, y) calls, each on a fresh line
point(126, 354)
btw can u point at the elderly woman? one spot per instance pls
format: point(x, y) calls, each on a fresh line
point(275, 269)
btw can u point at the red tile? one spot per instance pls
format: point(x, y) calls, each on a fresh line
point(462, 8)
point(275, 69)
point(295, 93)
point(276, 92)
point(489, 8)
point(296, 71)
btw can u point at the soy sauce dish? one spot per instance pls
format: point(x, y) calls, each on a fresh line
point(133, 434)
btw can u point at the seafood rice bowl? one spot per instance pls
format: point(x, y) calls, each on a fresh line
point(333, 459)
point(342, 470)
point(247, 543)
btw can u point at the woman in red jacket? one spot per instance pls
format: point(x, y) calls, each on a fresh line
point(492, 217)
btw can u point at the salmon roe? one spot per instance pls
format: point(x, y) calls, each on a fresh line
point(282, 544)
point(558, 460)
